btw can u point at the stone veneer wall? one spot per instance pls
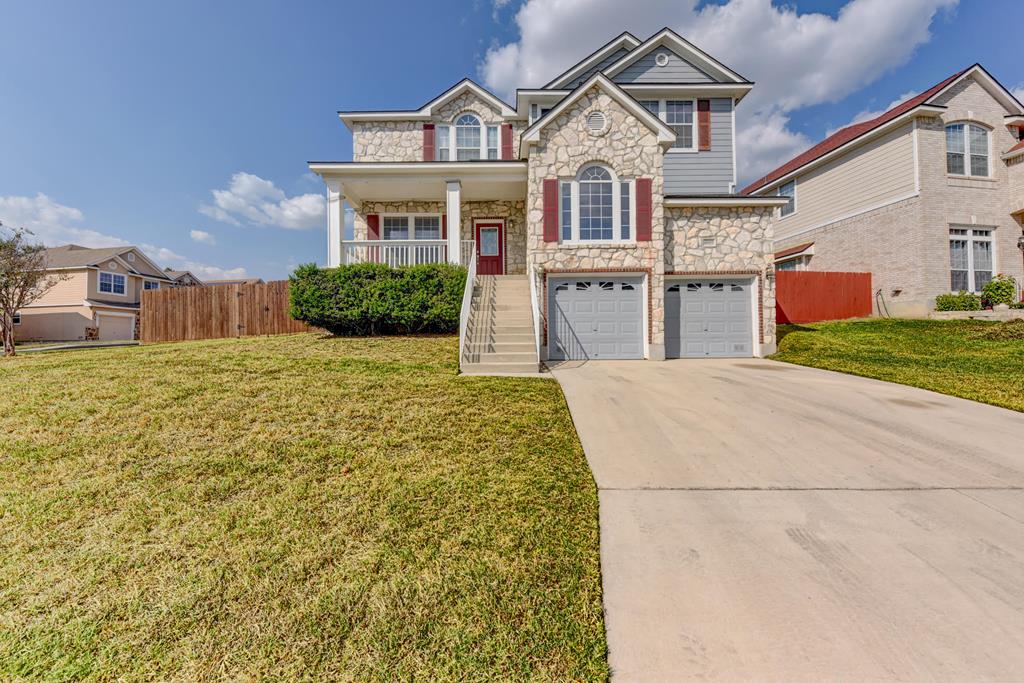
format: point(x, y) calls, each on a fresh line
point(512, 211)
point(743, 243)
point(403, 140)
point(631, 150)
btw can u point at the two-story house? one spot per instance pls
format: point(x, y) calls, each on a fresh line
point(96, 296)
point(599, 212)
point(927, 197)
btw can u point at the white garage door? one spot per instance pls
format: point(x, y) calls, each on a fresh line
point(709, 318)
point(595, 317)
point(115, 327)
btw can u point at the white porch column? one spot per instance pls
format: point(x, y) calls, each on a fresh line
point(453, 196)
point(335, 221)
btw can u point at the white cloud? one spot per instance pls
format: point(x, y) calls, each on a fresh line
point(202, 237)
point(251, 199)
point(796, 59)
point(165, 257)
point(52, 223)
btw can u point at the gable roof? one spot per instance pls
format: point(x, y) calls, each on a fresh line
point(668, 38)
point(75, 256)
point(425, 112)
point(665, 134)
point(858, 131)
point(624, 40)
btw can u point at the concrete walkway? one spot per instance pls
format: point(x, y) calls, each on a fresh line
point(766, 521)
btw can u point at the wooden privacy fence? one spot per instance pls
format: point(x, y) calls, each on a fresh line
point(185, 313)
point(804, 296)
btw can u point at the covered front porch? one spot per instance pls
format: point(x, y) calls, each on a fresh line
point(427, 212)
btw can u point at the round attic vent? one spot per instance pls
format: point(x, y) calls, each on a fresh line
point(595, 122)
point(661, 59)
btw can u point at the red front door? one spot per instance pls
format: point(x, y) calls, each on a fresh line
point(490, 248)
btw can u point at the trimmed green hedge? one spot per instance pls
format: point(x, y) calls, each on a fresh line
point(962, 301)
point(374, 299)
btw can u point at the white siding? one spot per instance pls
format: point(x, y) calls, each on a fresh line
point(864, 178)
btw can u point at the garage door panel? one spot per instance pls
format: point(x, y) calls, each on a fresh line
point(708, 318)
point(602, 319)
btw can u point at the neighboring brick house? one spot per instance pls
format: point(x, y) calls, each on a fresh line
point(928, 197)
point(97, 296)
point(609, 193)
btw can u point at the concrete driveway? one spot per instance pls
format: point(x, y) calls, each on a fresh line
point(766, 521)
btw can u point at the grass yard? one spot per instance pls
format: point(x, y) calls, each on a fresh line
point(295, 507)
point(961, 358)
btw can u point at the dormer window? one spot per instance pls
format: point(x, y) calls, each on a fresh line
point(471, 140)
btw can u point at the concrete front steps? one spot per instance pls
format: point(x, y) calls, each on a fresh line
point(499, 335)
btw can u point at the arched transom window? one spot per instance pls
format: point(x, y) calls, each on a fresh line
point(467, 139)
point(596, 207)
point(967, 150)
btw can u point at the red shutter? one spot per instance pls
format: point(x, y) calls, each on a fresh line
point(444, 226)
point(551, 210)
point(428, 142)
point(506, 141)
point(372, 226)
point(704, 125)
point(643, 209)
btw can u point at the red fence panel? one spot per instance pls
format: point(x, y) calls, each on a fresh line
point(806, 296)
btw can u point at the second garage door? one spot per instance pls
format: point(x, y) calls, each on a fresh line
point(115, 327)
point(594, 317)
point(705, 318)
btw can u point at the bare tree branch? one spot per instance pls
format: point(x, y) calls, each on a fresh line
point(23, 278)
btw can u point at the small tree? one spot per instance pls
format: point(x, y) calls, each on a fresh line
point(23, 278)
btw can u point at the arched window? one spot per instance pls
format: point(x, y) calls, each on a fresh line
point(596, 207)
point(967, 150)
point(469, 140)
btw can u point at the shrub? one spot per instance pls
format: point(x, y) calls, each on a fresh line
point(374, 299)
point(963, 301)
point(1002, 289)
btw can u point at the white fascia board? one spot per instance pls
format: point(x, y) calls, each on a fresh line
point(666, 135)
point(513, 169)
point(735, 90)
point(1014, 120)
point(152, 265)
point(924, 109)
point(689, 202)
point(1012, 155)
point(994, 88)
point(425, 113)
point(625, 41)
point(672, 40)
point(524, 98)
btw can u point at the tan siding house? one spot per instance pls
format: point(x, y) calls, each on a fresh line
point(928, 197)
point(96, 297)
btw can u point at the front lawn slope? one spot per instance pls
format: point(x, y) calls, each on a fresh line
point(296, 507)
point(955, 357)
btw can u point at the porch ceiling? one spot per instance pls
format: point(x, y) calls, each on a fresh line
point(426, 181)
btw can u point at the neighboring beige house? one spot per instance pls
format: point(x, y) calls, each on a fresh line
point(599, 211)
point(98, 297)
point(183, 278)
point(928, 197)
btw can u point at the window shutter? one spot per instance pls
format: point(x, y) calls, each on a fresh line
point(372, 226)
point(550, 210)
point(444, 226)
point(704, 125)
point(428, 142)
point(643, 209)
point(506, 141)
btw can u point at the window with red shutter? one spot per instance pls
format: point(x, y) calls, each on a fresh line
point(550, 210)
point(643, 209)
point(428, 142)
point(372, 226)
point(704, 125)
point(506, 141)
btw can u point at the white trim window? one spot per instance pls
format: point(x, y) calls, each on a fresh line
point(410, 227)
point(971, 258)
point(967, 152)
point(793, 263)
point(150, 284)
point(680, 116)
point(472, 140)
point(113, 283)
point(596, 206)
point(788, 190)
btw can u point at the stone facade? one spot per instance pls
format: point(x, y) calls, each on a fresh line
point(631, 150)
point(742, 244)
point(403, 140)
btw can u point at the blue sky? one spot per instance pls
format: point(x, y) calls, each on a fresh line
point(119, 120)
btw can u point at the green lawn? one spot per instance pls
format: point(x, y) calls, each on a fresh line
point(295, 507)
point(950, 357)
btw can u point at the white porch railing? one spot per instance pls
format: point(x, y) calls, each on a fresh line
point(397, 253)
point(531, 275)
point(467, 300)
